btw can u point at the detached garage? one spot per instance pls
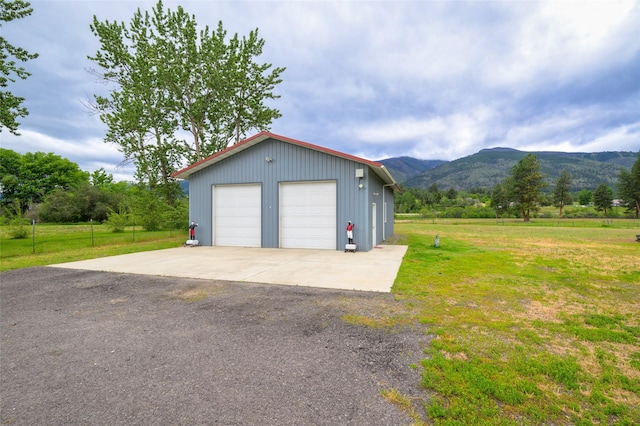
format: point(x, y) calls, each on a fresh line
point(276, 192)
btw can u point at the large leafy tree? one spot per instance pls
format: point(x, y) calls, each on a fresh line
point(83, 203)
point(252, 84)
point(561, 194)
point(27, 179)
point(11, 105)
point(138, 112)
point(584, 197)
point(603, 198)
point(179, 94)
point(629, 187)
point(525, 184)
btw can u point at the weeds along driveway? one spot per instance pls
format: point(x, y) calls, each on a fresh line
point(87, 347)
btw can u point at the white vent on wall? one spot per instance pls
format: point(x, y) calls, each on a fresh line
point(359, 173)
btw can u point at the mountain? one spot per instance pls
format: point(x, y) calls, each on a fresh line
point(184, 185)
point(404, 168)
point(489, 167)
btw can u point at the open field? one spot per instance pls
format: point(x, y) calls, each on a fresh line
point(534, 323)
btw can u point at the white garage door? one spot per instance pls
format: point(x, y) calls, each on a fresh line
point(308, 215)
point(237, 215)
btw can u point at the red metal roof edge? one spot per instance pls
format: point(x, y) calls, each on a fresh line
point(266, 135)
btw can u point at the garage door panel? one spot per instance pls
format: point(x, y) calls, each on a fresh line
point(237, 219)
point(308, 215)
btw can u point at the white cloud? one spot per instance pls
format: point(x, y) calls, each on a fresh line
point(439, 137)
point(434, 80)
point(90, 154)
point(623, 138)
point(587, 20)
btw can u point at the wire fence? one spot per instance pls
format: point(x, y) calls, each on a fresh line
point(577, 223)
point(623, 223)
point(36, 238)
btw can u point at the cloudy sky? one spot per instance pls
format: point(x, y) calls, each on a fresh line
point(376, 79)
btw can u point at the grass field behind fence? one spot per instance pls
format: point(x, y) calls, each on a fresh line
point(49, 244)
point(533, 323)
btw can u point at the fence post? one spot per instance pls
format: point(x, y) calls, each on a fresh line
point(33, 236)
point(92, 240)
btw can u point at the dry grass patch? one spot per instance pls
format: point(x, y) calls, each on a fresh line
point(405, 403)
point(194, 293)
point(541, 310)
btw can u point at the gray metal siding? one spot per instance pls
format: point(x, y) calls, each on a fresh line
point(290, 163)
point(375, 184)
point(389, 199)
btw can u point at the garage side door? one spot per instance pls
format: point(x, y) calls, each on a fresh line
point(237, 215)
point(308, 215)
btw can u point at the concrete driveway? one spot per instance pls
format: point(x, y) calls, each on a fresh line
point(375, 270)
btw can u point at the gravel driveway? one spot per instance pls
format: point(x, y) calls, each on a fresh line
point(86, 347)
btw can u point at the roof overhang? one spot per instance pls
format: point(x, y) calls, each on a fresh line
point(378, 168)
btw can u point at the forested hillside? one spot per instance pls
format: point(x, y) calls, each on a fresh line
point(404, 168)
point(489, 167)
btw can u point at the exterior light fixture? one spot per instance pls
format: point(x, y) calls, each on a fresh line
point(359, 176)
point(268, 159)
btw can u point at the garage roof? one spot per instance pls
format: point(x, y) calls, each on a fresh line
point(378, 168)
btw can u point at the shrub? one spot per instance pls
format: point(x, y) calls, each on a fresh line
point(18, 229)
point(151, 222)
point(427, 213)
point(116, 221)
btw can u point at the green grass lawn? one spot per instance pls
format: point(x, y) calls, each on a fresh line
point(53, 244)
point(533, 323)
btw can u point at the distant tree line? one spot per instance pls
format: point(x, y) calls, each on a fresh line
point(522, 194)
point(49, 188)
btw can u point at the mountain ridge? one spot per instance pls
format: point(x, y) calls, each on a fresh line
point(491, 166)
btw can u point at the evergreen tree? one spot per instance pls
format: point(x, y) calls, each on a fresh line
point(603, 198)
point(561, 195)
point(525, 184)
point(499, 200)
point(629, 187)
